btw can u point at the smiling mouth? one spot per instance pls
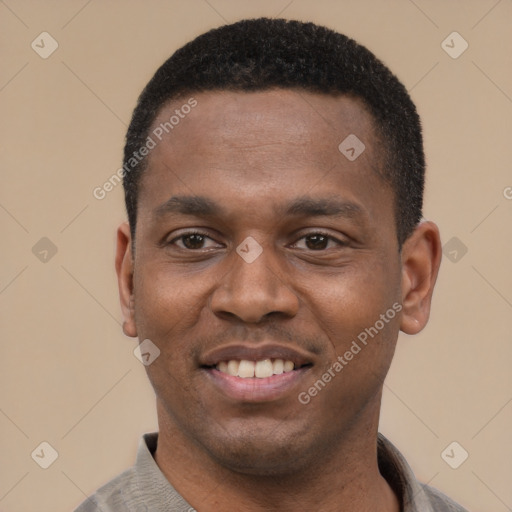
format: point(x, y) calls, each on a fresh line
point(261, 369)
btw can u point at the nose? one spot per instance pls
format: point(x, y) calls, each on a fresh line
point(253, 291)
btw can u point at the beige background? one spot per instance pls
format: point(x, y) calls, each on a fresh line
point(69, 376)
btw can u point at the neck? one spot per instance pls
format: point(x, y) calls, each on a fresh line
point(346, 478)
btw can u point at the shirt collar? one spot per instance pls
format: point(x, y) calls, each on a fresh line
point(153, 488)
point(397, 472)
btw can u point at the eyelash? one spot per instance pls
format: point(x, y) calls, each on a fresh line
point(341, 243)
point(189, 233)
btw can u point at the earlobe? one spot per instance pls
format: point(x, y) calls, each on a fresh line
point(124, 270)
point(421, 258)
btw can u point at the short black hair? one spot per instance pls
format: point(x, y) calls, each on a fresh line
point(261, 54)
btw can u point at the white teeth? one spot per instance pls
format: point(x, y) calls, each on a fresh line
point(288, 366)
point(232, 367)
point(259, 369)
point(264, 369)
point(278, 366)
point(246, 369)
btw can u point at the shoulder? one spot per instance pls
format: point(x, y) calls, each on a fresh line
point(441, 502)
point(113, 496)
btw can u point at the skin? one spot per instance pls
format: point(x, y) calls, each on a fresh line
point(253, 154)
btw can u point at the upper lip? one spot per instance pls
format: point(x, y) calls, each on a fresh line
point(255, 353)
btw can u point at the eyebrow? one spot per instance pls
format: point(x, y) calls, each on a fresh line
point(329, 207)
point(198, 206)
point(305, 206)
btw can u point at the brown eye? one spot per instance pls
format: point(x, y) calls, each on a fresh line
point(316, 242)
point(319, 242)
point(193, 241)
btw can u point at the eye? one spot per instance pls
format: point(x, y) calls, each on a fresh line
point(194, 240)
point(318, 242)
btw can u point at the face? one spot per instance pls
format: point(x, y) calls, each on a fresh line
point(262, 256)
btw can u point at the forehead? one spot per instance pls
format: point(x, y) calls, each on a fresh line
point(263, 146)
point(259, 121)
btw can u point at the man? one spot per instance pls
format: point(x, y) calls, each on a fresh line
point(273, 175)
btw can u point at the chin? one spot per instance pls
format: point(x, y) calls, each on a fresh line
point(261, 452)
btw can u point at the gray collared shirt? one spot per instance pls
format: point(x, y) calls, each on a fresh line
point(144, 488)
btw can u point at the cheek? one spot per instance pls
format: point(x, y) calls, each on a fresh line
point(353, 375)
point(361, 313)
point(167, 304)
point(347, 303)
point(168, 309)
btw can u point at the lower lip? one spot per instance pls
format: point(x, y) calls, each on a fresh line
point(267, 389)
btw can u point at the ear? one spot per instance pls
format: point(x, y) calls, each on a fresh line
point(421, 258)
point(124, 269)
